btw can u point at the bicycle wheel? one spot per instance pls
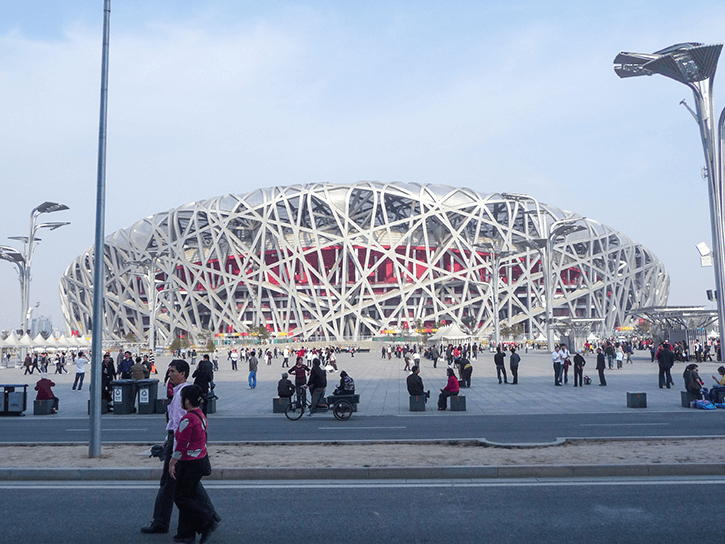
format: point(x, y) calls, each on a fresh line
point(342, 410)
point(294, 410)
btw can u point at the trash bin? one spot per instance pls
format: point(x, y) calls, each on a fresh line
point(147, 393)
point(123, 398)
point(14, 402)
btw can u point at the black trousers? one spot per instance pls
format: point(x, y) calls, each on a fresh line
point(443, 399)
point(165, 497)
point(466, 376)
point(500, 369)
point(515, 373)
point(578, 373)
point(195, 510)
point(665, 377)
point(602, 381)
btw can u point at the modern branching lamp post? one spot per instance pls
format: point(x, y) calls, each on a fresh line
point(694, 65)
point(497, 253)
point(548, 233)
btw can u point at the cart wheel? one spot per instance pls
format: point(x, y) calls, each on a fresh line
point(294, 411)
point(342, 410)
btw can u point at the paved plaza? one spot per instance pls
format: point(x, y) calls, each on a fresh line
point(381, 386)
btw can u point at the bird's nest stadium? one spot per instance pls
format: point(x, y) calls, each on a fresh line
point(337, 262)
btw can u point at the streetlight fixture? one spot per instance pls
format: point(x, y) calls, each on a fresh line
point(694, 64)
point(548, 232)
point(24, 260)
point(149, 265)
point(497, 253)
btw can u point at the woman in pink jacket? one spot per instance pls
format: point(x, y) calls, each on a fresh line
point(450, 390)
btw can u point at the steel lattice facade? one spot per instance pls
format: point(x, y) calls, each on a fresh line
point(343, 262)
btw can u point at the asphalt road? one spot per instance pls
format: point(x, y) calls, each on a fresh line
point(504, 429)
point(677, 511)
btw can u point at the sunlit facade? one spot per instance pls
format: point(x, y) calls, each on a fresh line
point(344, 262)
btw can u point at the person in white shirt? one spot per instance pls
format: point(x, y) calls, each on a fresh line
point(565, 363)
point(558, 358)
point(80, 362)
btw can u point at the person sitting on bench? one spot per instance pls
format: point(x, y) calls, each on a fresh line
point(43, 387)
point(720, 384)
point(347, 385)
point(693, 383)
point(450, 390)
point(285, 389)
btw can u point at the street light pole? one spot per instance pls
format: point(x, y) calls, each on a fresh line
point(149, 266)
point(497, 252)
point(548, 233)
point(28, 249)
point(694, 65)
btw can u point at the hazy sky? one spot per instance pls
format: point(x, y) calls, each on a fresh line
point(214, 97)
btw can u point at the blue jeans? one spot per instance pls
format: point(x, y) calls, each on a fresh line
point(253, 379)
point(79, 380)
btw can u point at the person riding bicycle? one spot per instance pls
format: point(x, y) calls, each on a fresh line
point(317, 384)
point(347, 385)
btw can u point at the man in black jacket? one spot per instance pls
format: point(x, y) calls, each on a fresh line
point(415, 384)
point(317, 384)
point(665, 360)
point(500, 361)
point(601, 365)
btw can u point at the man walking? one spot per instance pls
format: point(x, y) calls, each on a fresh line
point(178, 373)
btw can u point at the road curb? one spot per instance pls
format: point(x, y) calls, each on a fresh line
point(376, 473)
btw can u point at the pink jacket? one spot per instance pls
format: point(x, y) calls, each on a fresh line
point(452, 385)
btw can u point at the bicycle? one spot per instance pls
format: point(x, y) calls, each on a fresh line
point(341, 408)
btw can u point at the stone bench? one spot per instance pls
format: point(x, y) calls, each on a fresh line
point(279, 404)
point(687, 397)
point(458, 403)
point(417, 403)
point(636, 400)
point(43, 407)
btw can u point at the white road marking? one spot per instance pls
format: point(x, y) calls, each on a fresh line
point(105, 429)
point(347, 484)
point(622, 424)
point(357, 428)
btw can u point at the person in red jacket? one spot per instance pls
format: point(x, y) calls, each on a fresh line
point(450, 390)
point(43, 387)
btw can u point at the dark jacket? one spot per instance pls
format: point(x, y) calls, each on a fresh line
point(285, 388)
point(203, 375)
point(601, 362)
point(500, 358)
point(318, 378)
point(579, 361)
point(415, 385)
point(665, 358)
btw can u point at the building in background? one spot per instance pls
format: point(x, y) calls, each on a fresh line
point(344, 262)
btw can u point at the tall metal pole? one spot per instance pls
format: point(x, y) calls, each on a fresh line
point(94, 446)
point(694, 65)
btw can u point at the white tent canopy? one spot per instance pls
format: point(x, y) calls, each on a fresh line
point(450, 332)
